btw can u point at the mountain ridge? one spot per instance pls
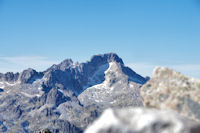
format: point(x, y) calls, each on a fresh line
point(30, 75)
point(59, 95)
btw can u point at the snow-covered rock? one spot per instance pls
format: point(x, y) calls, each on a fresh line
point(111, 89)
point(142, 120)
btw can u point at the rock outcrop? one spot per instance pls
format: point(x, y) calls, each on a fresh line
point(141, 120)
point(168, 89)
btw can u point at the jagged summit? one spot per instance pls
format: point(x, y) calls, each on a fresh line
point(62, 66)
point(105, 58)
point(95, 61)
point(75, 76)
point(26, 76)
point(9, 77)
point(67, 95)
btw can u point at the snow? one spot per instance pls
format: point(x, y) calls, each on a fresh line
point(113, 102)
point(12, 84)
point(31, 95)
point(111, 88)
point(96, 77)
point(38, 94)
point(98, 101)
point(40, 88)
point(104, 89)
point(107, 119)
point(45, 78)
point(61, 91)
point(105, 83)
point(111, 65)
point(131, 85)
point(74, 65)
point(104, 70)
point(27, 95)
point(2, 85)
point(115, 82)
point(8, 91)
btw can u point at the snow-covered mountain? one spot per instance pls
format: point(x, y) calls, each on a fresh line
point(68, 96)
point(114, 85)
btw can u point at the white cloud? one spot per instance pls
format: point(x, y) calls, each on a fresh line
point(146, 69)
point(19, 63)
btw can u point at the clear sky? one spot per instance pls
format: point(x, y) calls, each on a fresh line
point(144, 33)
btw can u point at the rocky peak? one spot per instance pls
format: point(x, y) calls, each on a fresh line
point(29, 75)
point(105, 58)
point(63, 65)
point(9, 77)
point(76, 76)
point(66, 63)
point(59, 96)
point(55, 97)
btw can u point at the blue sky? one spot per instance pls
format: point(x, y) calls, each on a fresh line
point(144, 33)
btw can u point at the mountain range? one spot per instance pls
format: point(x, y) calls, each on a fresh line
point(67, 97)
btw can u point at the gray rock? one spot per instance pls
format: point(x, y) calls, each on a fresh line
point(9, 77)
point(55, 97)
point(119, 83)
point(168, 89)
point(58, 98)
point(29, 76)
point(141, 120)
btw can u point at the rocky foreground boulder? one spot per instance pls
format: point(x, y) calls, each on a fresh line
point(172, 105)
point(168, 89)
point(142, 120)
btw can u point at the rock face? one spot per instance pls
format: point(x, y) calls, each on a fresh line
point(9, 77)
point(67, 96)
point(141, 120)
point(168, 89)
point(116, 87)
